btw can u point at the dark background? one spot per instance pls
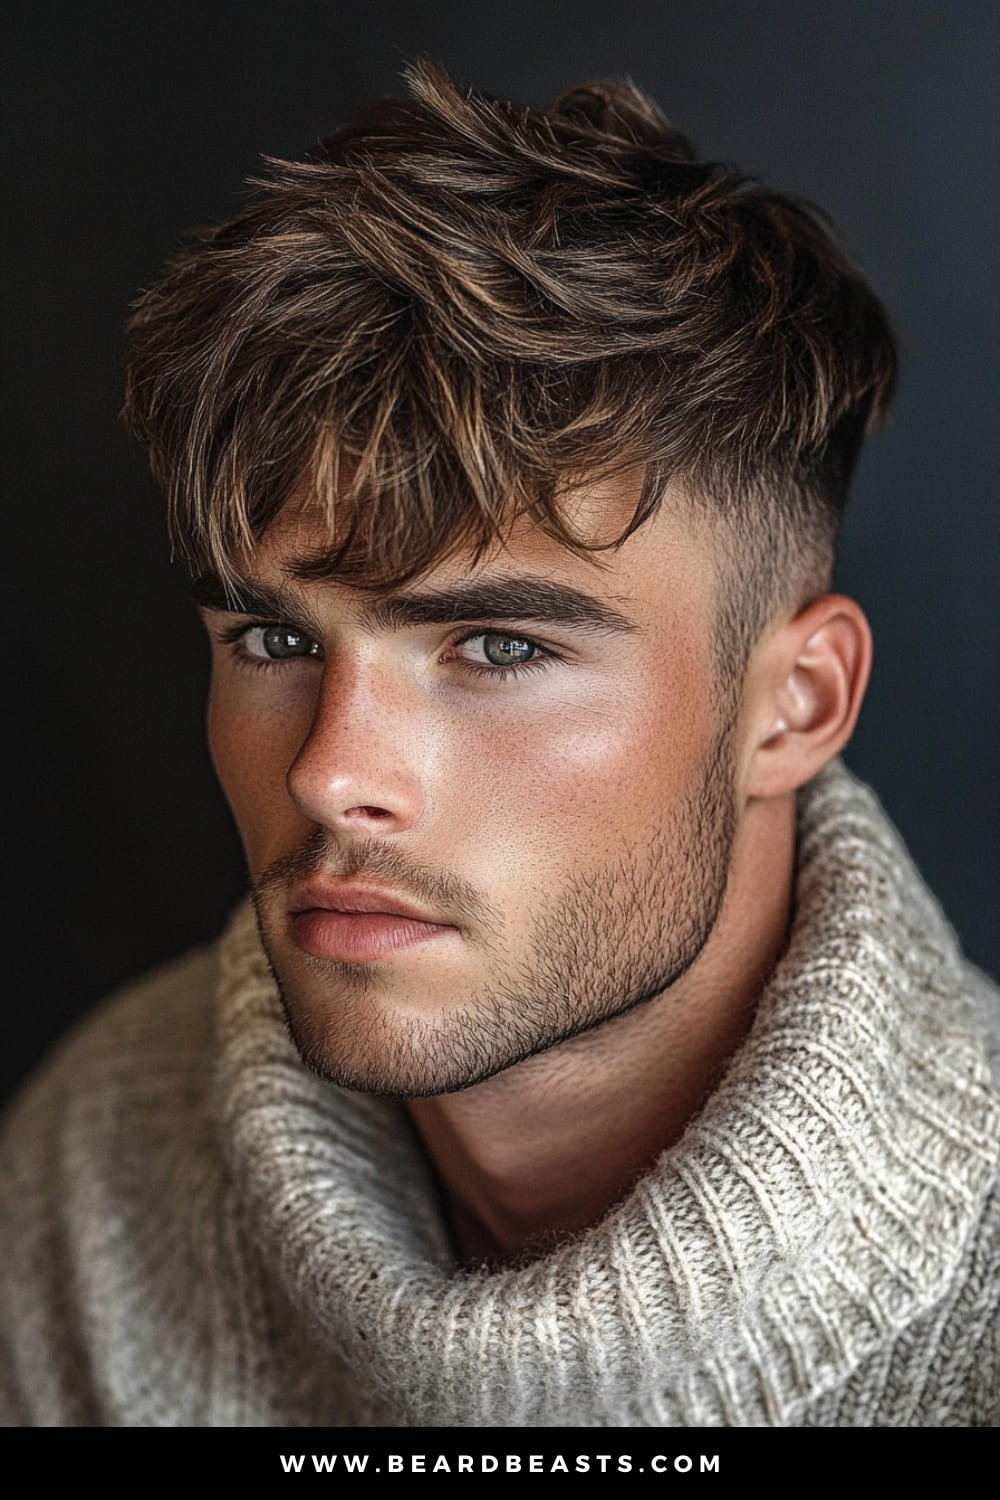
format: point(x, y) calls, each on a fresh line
point(128, 122)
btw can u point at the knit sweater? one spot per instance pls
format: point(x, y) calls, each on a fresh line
point(198, 1231)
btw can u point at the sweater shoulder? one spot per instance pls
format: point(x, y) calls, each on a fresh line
point(159, 1019)
point(985, 997)
point(102, 1135)
point(148, 1046)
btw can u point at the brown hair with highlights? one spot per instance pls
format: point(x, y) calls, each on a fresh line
point(456, 307)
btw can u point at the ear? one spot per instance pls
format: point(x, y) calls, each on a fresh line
point(805, 684)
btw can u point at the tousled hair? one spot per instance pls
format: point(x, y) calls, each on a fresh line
point(455, 308)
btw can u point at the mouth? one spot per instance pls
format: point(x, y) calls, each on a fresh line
point(357, 924)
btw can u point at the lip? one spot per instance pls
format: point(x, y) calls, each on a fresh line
point(357, 923)
point(322, 895)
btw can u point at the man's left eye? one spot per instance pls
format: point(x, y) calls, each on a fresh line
point(507, 650)
point(278, 642)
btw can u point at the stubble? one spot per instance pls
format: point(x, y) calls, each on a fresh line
point(612, 938)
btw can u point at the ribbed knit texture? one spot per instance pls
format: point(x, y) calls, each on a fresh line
point(203, 1233)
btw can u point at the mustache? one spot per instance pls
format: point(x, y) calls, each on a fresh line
point(378, 861)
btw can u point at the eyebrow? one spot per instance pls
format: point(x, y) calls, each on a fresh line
point(247, 597)
point(500, 599)
point(512, 598)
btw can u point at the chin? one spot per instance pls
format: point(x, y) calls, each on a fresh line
point(378, 1051)
point(349, 1031)
point(388, 1028)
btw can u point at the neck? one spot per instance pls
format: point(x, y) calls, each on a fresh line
point(543, 1150)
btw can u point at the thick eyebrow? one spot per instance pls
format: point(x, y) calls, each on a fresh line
point(496, 599)
point(513, 598)
point(248, 597)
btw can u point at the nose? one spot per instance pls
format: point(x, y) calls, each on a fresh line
point(357, 772)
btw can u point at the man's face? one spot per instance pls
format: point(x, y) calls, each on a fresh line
point(482, 813)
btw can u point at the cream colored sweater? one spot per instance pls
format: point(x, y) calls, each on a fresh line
point(197, 1231)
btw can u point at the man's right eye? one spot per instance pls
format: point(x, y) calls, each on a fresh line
point(277, 642)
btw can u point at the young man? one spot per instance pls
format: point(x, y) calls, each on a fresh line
point(591, 1053)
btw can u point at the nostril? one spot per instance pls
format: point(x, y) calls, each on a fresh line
point(367, 812)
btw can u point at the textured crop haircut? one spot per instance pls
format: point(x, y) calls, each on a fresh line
point(456, 308)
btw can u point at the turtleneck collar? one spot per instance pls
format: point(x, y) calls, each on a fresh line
point(814, 1208)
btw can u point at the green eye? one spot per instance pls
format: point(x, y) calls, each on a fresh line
point(278, 642)
point(507, 650)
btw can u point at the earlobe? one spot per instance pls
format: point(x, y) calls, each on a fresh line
point(806, 688)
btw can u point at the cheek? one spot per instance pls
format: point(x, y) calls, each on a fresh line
point(251, 751)
point(585, 772)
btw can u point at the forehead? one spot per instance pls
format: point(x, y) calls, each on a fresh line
point(669, 563)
